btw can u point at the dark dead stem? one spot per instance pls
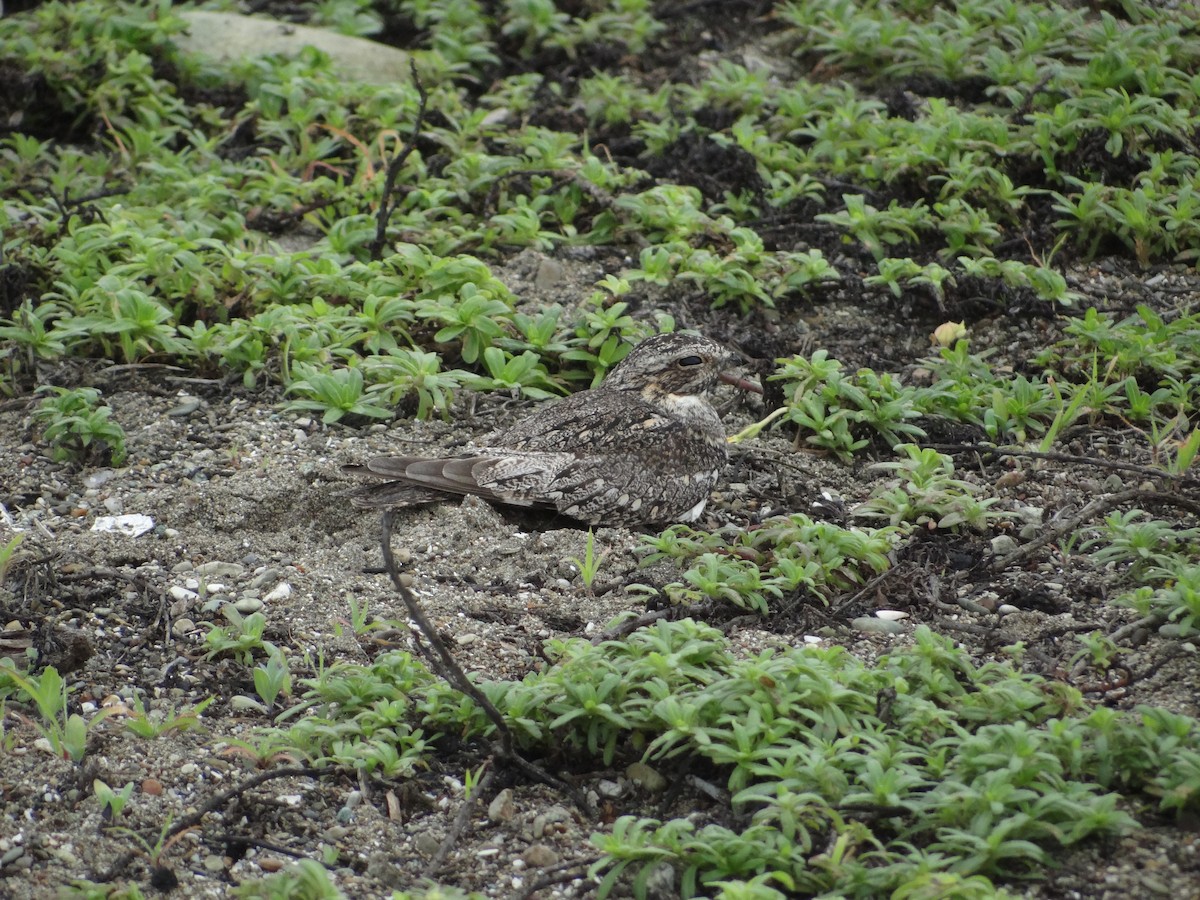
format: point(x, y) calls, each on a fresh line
point(991, 450)
point(1095, 508)
point(214, 803)
point(457, 678)
point(459, 825)
point(387, 204)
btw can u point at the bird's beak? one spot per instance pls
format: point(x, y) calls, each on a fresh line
point(739, 382)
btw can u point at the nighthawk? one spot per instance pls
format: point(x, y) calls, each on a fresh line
point(645, 447)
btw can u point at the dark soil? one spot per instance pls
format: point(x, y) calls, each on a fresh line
point(247, 502)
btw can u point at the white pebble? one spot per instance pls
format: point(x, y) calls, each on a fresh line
point(280, 592)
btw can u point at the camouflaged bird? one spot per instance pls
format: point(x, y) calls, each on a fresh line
point(645, 447)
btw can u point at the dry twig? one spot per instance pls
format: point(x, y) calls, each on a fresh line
point(386, 204)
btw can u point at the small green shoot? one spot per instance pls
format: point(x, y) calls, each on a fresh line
point(65, 732)
point(7, 551)
point(78, 429)
point(241, 638)
point(589, 566)
point(112, 802)
point(155, 723)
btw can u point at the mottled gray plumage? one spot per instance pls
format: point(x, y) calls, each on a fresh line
point(644, 447)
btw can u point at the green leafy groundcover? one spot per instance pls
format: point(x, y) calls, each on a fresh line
point(923, 773)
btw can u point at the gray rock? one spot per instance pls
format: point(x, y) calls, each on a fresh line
point(646, 778)
point(502, 809)
point(872, 625)
point(539, 856)
point(1003, 544)
point(228, 37)
point(248, 605)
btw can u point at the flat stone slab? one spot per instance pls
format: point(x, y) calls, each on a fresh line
point(228, 37)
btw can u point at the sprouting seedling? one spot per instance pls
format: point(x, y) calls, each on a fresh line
point(112, 802)
point(589, 566)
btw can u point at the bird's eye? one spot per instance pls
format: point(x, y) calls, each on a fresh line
point(690, 361)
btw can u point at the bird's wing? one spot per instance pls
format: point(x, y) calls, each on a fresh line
point(513, 477)
point(589, 423)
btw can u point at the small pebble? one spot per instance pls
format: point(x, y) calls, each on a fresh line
point(100, 476)
point(1003, 545)
point(608, 789)
point(872, 625)
point(550, 272)
point(982, 606)
point(1006, 609)
point(281, 592)
point(646, 778)
point(539, 856)
point(261, 579)
point(183, 627)
point(555, 815)
point(427, 844)
point(248, 605)
point(220, 569)
point(186, 407)
point(502, 809)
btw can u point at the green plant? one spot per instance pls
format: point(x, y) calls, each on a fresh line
point(472, 317)
point(589, 566)
point(1184, 456)
point(879, 229)
point(7, 551)
point(336, 393)
point(66, 732)
point(1097, 649)
point(27, 331)
point(471, 781)
point(1176, 601)
point(361, 620)
point(522, 374)
point(925, 493)
point(154, 852)
point(305, 880)
point(112, 802)
point(90, 890)
point(155, 723)
point(241, 638)
point(273, 679)
point(785, 556)
point(77, 428)
point(823, 401)
point(404, 374)
point(1146, 544)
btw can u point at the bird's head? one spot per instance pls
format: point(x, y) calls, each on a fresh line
point(683, 365)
